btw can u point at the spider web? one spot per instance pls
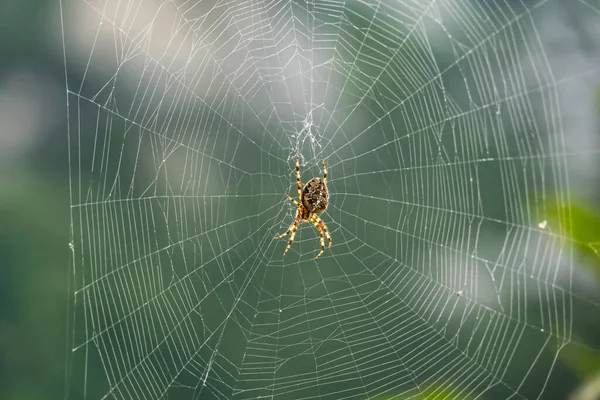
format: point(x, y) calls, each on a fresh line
point(441, 127)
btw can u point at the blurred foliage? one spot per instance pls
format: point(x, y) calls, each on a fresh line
point(579, 222)
point(590, 390)
point(582, 360)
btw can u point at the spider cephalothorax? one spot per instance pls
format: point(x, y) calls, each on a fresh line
point(314, 198)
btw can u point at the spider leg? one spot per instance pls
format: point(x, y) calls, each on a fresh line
point(324, 171)
point(324, 227)
point(292, 200)
point(326, 232)
point(315, 220)
point(294, 225)
point(292, 229)
point(298, 183)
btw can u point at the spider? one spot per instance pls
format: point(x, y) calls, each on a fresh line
point(314, 198)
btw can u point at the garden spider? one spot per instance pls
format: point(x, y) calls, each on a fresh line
point(314, 198)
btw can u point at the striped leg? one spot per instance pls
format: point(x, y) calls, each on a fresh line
point(324, 171)
point(324, 227)
point(315, 220)
point(295, 224)
point(298, 183)
point(292, 229)
point(292, 200)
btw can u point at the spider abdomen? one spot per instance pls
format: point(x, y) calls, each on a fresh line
point(315, 196)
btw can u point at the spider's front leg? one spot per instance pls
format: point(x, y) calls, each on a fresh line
point(298, 182)
point(293, 201)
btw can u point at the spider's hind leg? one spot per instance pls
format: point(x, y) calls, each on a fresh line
point(324, 171)
point(326, 231)
point(316, 220)
point(318, 224)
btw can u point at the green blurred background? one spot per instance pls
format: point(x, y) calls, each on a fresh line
point(43, 318)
